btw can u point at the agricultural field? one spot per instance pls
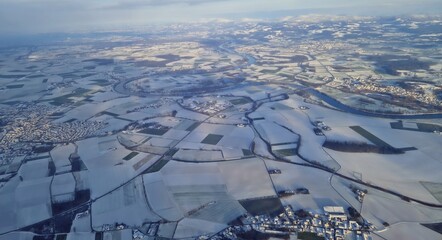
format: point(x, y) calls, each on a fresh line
point(300, 127)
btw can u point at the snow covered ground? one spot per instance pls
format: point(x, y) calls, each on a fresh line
point(191, 228)
point(394, 210)
point(159, 198)
point(107, 169)
point(34, 169)
point(60, 156)
point(18, 236)
point(24, 202)
point(316, 181)
point(409, 230)
point(33, 201)
point(127, 205)
point(274, 133)
point(247, 178)
point(399, 172)
point(343, 134)
point(204, 192)
point(310, 146)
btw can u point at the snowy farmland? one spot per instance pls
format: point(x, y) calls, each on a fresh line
point(401, 172)
point(316, 181)
point(183, 132)
point(193, 190)
point(127, 204)
point(60, 156)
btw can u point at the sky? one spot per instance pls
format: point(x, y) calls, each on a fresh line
point(44, 16)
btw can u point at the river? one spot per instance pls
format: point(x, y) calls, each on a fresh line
point(345, 108)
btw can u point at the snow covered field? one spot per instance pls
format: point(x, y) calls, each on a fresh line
point(398, 172)
point(247, 178)
point(408, 230)
point(127, 204)
point(316, 181)
point(60, 156)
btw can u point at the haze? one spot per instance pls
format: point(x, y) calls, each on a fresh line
point(42, 16)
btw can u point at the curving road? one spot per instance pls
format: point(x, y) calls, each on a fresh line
point(332, 171)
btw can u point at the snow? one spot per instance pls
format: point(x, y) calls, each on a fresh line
point(110, 158)
point(184, 124)
point(398, 172)
point(187, 114)
point(285, 146)
point(114, 124)
point(89, 110)
point(106, 179)
point(196, 136)
point(159, 198)
point(240, 139)
point(175, 134)
point(219, 129)
point(243, 133)
point(120, 106)
point(315, 180)
point(125, 234)
point(408, 230)
point(103, 158)
point(106, 96)
point(8, 206)
point(166, 230)
point(60, 156)
point(82, 180)
point(17, 236)
point(89, 149)
point(297, 121)
point(160, 142)
point(343, 134)
point(63, 188)
point(80, 236)
point(130, 139)
point(334, 118)
point(233, 141)
point(82, 224)
point(261, 148)
point(232, 153)
point(188, 228)
point(204, 129)
point(379, 207)
point(33, 201)
point(198, 155)
point(411, 125)
point(401, 173)
point(342, 187)
point(170, 122)
point(247, 178)
point(175, 167)
point(184, 187)
point(196, 179)
point(388, 135)
point(125, 205)
point(274, 133)
point(34, 169)
point(428, 143)
point(84, 112)
point(222, 209)
point(232, 117)
point(193, 185)
point(135, 116)
point(97, 153)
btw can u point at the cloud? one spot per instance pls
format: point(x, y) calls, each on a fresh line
point(39, 16)
point(128, 5)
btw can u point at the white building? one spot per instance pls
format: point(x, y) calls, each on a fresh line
point(335, 212)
